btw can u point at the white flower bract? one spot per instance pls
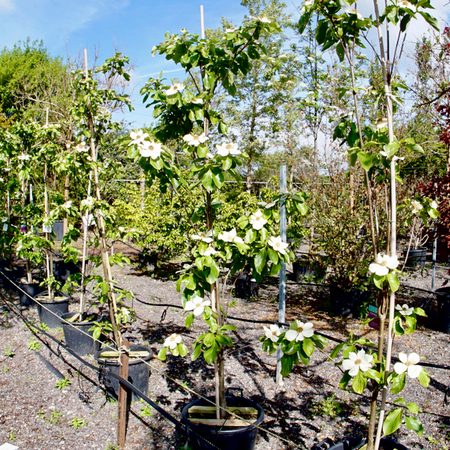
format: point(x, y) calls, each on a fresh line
point(356, 362)
point(177, 87)
point(197, 305)
point(138, 137)
point(277, 244)
point(82, 147)
point(150, 149)
point(416, 206)
point(408, 363)
point(228, 148)
point(257, 220)
point(404, 310)
point(230, 236)
point(205, 237)
point(300, 332)
point(272, 332)
point(194, 139)
point(382, 264)
point(24, 157)
point(172, 341)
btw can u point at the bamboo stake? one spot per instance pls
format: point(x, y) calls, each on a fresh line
point(123, 394)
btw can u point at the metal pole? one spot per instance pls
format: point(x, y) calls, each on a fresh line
point(282, 289)
point(202, 23)
point(433, 273)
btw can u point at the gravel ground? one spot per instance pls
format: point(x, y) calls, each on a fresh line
point(35, 415)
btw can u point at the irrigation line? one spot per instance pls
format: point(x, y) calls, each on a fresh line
point(127, 384)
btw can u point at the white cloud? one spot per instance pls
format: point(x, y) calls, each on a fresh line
point(7, 5)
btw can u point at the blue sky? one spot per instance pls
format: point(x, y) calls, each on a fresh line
point(132, 26)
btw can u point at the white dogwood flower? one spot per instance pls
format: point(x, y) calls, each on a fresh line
point(382, 264)
point(24, 157)
point(205, 237)
point(228, 148)
point(229, 236)
point(150, 149)
point(172, 341)
point(138, 137)
point(197, 305)
point(408, 363)
point(404, 310)
point(272, 332)
point(257, 220)
point(277, 244)
point(300, 332)
point(434, 205)
point(356, 362)
point(194, 139)
point(177, 87)
point(416, 206)
point(210, 251)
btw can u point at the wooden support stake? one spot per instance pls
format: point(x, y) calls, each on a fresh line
point(123, 401)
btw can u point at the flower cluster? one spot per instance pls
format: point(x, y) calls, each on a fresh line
point(147, 149)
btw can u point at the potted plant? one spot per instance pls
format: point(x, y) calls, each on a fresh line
point(188, 121)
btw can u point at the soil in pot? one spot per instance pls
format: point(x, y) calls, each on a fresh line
point(51, 311)
point(138, 370)
point(31, 290)
point(355, 444)
point(227, 434)
point(77, 335)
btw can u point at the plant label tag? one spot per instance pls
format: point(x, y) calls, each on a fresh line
point(373, 312)
point(47, 228)
point(5, 227)
point(8, 447)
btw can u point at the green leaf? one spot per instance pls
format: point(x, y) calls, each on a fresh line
point(209, 339)
point(413, 407)
point(260, 260)
point(228, 327)
point(227, 163)
point(359, 382)
point(378, 281)
point(420, 312)
point(392, 278)
point(162, 354)
point(424, 378)
point(287, 363)
point(366, 160)
point(393, 421)
point(182, 350)
point(430, 20)
point(308, 346)
point(213, 273)
point(398, 383)
point(374, 375)
point(273, 255)
point(210, 354)
point(197, 351)
point(189, 320)
point(414, 424)
point(202, 150)
point(208, 181)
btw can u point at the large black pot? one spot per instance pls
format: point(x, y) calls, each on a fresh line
point(443, 301)
point(246, 287)
point(355, 444)
point(10, 276)
point(416, 258)
point(62, 269)
point(215, 437)
point(138, 371)
point(77, 335)
point(347, 302)
point(50, 312)
point(30, 291)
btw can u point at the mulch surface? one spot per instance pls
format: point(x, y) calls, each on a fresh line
point(308, 408)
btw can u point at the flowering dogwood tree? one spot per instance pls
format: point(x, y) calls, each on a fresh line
point(190, 150)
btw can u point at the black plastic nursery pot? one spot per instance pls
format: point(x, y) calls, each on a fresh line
point(346, 302)
point(416, 258)
point(246, 287)
point(77, 335)
point(223, 438)
point(31, 290)
point(443, 301)
point(10, 276)
point(138, 371)
point(62, 269)
point(51, 311)
point(355, 444)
